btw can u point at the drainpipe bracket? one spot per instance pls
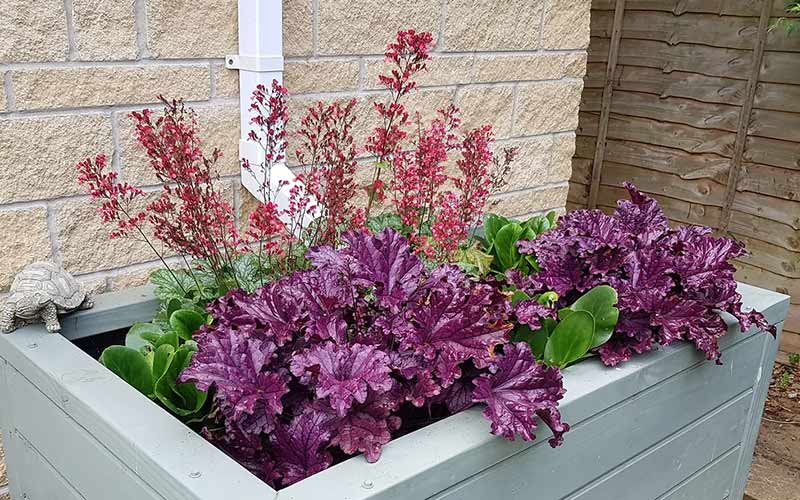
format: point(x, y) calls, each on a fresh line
point(257, 64)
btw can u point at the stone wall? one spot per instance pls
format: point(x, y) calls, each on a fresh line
point(73, 69)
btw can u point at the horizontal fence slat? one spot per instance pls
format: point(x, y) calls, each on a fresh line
point(674, 135)
point(702, 59)
point(771, 257)
point(765, 230)
point(680, 7)
point(717, 31)
point(703, 191)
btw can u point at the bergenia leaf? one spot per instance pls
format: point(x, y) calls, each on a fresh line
point(131, 366)
point(517, 391)
point(505, 245)
point(570, 340)
point(186, 322)
point(599, 302)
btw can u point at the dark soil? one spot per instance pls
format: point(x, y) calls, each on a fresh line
point(775, 474)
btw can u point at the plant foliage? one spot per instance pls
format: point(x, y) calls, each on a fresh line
point(330, 356)
point(672, 283)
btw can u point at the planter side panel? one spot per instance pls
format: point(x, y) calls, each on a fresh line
point(683, 432)
point(42, 429)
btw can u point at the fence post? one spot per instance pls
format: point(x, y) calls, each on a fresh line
point(744, 117)
point(605, 106)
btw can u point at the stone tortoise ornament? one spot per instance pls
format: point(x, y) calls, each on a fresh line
point(41, 292)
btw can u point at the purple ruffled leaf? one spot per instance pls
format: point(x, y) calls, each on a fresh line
point(234, 365)
point(386, 263)
point(518, 390)
point(300, 448)
point(666, 276)
point(368, 426)
point(454, 320)
point(531, 313)
point(641, 216)
point(343, 373)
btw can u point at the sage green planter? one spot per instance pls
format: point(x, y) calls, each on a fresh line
point(666, 425)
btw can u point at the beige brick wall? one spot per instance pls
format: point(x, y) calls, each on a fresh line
point(71, 70)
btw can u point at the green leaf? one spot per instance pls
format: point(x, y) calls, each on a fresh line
point(491, 225)
point(505, 245)
point(537, 340)
point(518, 296)
point(143, 335)
point(548, 299)
point(174, 305)
point(169, 338)
point(182, 399)
point(162, 357)
point(378, 223)
point(599, 302)
point(131, 366)
point(474, 256)
point(249, 272)
point(185, 322)
point(570, 340)
point(171, 285)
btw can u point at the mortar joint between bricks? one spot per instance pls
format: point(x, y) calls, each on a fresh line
point(69, 16)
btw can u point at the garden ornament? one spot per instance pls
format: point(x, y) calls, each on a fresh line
point(42, 291)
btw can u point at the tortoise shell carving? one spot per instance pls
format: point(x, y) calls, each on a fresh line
point(42, 291)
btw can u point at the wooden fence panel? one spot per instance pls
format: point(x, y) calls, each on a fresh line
point(703, 113)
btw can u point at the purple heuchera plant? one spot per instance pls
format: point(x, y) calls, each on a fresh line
point(672, 283)
point(326, 358)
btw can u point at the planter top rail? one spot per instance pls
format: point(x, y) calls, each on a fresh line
point(161, 450)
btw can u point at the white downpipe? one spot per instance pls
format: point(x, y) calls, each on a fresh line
point(260, 60)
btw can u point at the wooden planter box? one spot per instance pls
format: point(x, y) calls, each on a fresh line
point(666, 425)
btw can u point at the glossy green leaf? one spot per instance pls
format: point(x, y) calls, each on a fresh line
point(537, 340)
point(182, 399)
point(491, 225)
point(162, 357)
point(570, 340)
point(518, 296)
point(131, 366)
point(169, 338)
point(600, 302)
point(185, 322)
point(143, 335)
point(505, 245)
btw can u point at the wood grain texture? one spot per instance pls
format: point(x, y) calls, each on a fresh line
point(606, 99)
point(743, 127)
point(705, 98)
point(680, 7)
point(717, 31)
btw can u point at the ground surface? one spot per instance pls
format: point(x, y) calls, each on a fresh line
point(775, 474)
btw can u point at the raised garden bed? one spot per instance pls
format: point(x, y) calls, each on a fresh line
point(667, 424)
